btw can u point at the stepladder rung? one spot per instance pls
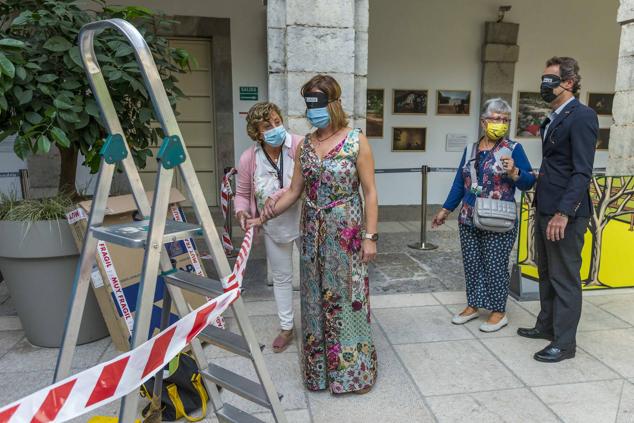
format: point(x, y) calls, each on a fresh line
point(135, 234)
point(240, 385)
point(194, 283)
point(227, 341)
point(231, 414)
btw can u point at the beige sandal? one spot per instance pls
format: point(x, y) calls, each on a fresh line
point(282, 341)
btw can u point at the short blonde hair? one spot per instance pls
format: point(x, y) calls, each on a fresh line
point(259, 113)
point(329, 86)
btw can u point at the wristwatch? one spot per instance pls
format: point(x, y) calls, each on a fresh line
point(371, 237)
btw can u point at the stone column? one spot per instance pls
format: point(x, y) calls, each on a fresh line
point(308, 37)
point(500, 52)
point(621, 151)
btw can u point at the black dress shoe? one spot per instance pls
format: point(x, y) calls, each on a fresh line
point(552, 354)
point(534, 333)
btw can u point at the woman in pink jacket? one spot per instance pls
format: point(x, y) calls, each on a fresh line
point(264, 172)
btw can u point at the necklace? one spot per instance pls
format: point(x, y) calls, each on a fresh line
point(324, 139)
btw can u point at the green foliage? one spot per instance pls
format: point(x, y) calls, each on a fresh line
point(34, 210)
point(44, 96)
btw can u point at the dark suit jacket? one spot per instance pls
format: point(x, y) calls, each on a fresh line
point(568, 158)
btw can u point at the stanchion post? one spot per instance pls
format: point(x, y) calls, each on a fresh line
point(423, 244)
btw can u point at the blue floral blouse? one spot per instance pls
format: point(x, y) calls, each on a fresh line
point(494, 184)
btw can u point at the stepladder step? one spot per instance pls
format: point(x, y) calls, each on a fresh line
point(194, 283)
point(231, 414)
point(240, 385)
point(227, 340)
point(135, 234)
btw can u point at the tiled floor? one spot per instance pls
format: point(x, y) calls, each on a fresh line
point(429, 369)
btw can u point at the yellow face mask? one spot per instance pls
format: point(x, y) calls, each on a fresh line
point(496, 130)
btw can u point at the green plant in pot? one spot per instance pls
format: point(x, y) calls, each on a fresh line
point(46, 102)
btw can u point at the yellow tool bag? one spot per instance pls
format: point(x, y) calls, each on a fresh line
point(182, 392)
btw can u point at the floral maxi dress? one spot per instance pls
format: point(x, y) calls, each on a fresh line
point(338, 352)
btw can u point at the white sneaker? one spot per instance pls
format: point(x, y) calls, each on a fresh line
point(488, 327)
point(458, 319)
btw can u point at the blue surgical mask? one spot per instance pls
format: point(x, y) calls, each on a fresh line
point(276, 136)
point(318, 117)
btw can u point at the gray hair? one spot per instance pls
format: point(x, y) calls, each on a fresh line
point(495, 105)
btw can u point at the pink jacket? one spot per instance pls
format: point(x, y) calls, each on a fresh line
point(245, 191)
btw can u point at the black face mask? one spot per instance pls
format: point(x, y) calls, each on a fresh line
point(549, 83)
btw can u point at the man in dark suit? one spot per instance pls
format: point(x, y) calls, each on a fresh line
point(569, 135)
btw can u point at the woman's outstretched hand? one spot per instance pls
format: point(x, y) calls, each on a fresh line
point(269, 209)
point(440, 218)
point(243, 216)
point(254, 223)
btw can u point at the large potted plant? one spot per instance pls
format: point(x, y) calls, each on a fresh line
point(38, 258)
point(46, 102)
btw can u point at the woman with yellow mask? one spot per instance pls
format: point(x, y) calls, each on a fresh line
point(500, 166)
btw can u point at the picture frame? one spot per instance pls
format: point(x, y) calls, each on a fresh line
point(530, 112)
point(375, 107)
point(603, 141)
point(453, 102)
point(601, 103)
point(409, 139)
point(409, 102)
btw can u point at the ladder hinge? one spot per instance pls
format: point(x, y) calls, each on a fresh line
point(169, 272)
point(171, 153)
point(113, 150)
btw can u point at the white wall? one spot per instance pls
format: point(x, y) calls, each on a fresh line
point(248, 50)
point(248, 45)
point(435, 44)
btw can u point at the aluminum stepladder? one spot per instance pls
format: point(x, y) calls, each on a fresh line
point(152, 234)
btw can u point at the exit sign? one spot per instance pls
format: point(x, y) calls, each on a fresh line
point(249, 93)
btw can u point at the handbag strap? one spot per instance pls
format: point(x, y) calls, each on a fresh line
point(472, 152)
point(172, 393)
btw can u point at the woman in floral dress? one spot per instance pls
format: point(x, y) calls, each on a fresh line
point(338, 239)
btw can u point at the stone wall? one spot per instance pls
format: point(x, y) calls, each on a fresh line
point(621, 158)
point(499, 55)
point(308, 37)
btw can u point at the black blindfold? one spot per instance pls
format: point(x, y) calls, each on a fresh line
point(552, 81)
point(316, 100)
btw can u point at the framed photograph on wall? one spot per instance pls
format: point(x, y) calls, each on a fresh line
point(408, 139)
point(453, 102)
point(409, 102)
point(601, 103)
point(374, 113)
point(604, 139)
point(531, 112)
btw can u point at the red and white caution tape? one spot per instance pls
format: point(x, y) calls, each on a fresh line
point(234, 280)
point(226, 194)
point(106, 382)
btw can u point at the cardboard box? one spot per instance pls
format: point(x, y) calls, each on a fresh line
point(116, 276)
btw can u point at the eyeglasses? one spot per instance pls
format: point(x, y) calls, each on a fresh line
point(498, 119)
